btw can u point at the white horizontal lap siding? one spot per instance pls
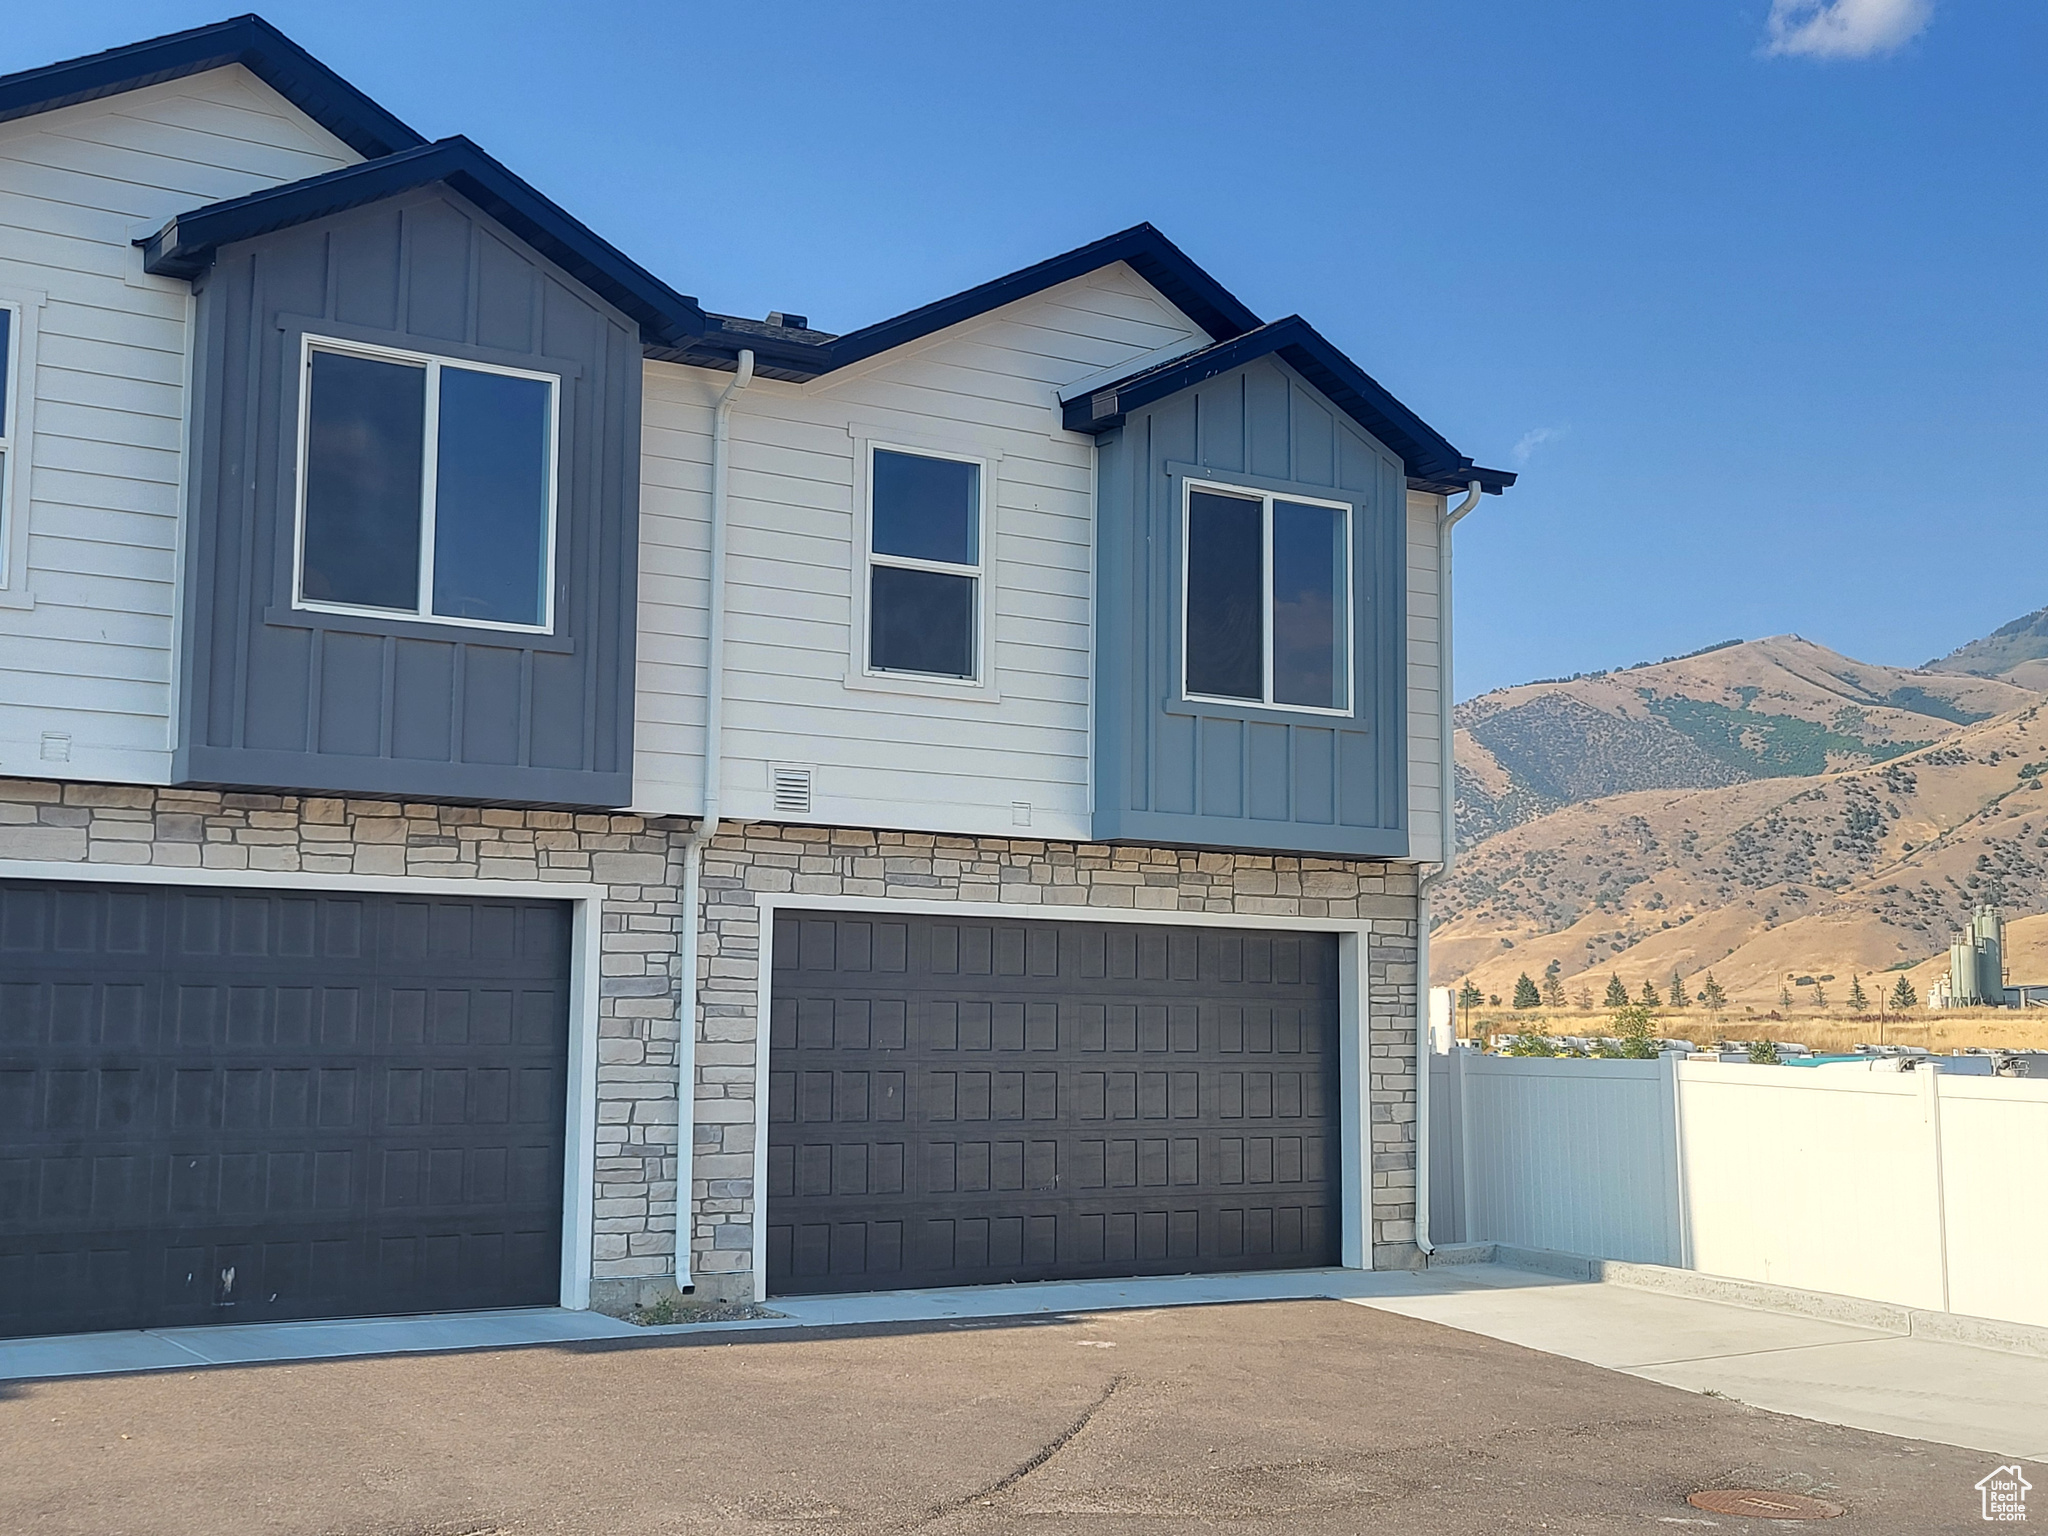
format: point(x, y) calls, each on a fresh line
point(914, 761)
point(92, 658)
point(1425, 677)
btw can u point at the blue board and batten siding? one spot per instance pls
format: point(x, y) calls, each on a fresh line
point(276, 696)
point(1174, 771)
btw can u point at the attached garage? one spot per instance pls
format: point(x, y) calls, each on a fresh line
point(241, 1105)
point(960, 1100)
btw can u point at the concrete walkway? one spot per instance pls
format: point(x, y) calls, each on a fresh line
point(1813, 1368)
point(1956, 1394)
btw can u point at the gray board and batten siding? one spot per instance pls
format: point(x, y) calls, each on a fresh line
point(1173, 771)
point(276, 696)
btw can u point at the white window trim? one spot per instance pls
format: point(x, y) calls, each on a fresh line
point(861, 674)
point(17, 438)
point(432, 363)
point(1266, 499)
point(1355, 1017)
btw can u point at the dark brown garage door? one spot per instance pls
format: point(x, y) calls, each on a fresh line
point(960, 1101)
point(236, 1106)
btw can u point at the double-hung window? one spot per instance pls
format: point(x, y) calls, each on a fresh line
point(1266, 599)
point(427, 488)
point(925, 564)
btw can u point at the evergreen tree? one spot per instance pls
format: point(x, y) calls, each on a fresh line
point(1857, 999)
point(1784, 995)
point(1585, 999)
point(1526, 995)
point(1712, 995)
point(1650, 999)
point(1469, 996)
point(1617, 994)
point(1820, 995)
point(1678, 997)
point(1553, 985)
point(1903, 995)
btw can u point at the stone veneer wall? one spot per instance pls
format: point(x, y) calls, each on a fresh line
point(639, 861)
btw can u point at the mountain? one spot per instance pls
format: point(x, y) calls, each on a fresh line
point(2017, 652)
point(1860, 867)
point(1737, 713)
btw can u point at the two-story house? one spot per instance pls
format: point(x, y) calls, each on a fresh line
point(500, 764)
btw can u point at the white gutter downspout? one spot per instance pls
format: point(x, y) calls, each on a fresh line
point(707, 824)
point(1447, 793)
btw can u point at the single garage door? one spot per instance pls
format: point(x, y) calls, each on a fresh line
point(955, 1101)
point(240, 1105)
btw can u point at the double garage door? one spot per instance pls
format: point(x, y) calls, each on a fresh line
point(240, 1105)
point(960, 1101)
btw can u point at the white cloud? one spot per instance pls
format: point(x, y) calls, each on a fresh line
point(1844, 29)
point(1535, 438)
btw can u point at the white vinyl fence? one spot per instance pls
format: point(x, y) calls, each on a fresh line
point(1920, 1188)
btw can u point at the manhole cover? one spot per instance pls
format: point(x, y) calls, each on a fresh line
point(1758, 1505)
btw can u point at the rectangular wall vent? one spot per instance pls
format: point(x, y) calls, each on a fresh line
point(790, 788)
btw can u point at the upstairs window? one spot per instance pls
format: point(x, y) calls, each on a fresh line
point(1266, 600)
point(427, 488)
point(925, 564)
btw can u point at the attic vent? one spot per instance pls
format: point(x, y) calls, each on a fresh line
point(791, 788)
point(1102, 404)
point(782, 317)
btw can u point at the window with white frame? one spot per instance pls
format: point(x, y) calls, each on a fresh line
point(427, 487)
point(1266, 599)
point(925, 564)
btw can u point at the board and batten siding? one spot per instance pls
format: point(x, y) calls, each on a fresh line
point(86, 629)
point(1011, 760)
point(1214, 773)
point(373, 704)
point(1425, 678)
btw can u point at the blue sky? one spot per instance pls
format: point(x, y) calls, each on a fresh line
point(1756, 304)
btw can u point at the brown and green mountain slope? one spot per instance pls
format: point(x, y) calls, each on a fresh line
point(1858, 870)
point(1759, 709)
point(2017, 652)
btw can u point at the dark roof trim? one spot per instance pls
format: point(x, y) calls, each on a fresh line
point(1154, 257)
point(1428, 457)
point(250, 41)
point(185, 246)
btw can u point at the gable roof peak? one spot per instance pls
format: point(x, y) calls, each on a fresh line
point(250, 41)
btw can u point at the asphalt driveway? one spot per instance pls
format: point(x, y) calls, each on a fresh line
point(1282, 1417)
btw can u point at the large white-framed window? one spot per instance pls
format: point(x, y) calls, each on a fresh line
point(1266, 599)
point(925, 565)
point(427, 487)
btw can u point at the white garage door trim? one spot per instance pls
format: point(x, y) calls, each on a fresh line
point(579, 1163)
point(1354, 941)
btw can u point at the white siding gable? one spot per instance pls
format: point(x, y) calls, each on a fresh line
point(86, 629)
point(928, 759)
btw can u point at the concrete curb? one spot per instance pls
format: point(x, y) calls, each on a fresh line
point(1881, 1316)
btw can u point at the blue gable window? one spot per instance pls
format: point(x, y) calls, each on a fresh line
point(1250, 663)
point(427, 488)
point(1266, 599)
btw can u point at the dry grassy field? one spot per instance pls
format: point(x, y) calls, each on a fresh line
point(1948, 1030)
